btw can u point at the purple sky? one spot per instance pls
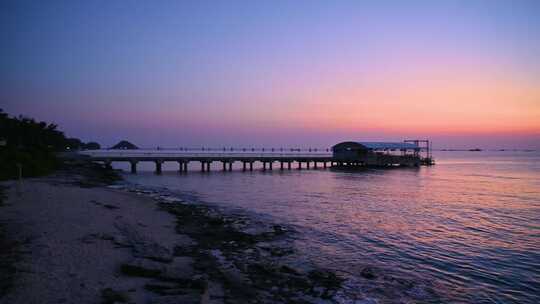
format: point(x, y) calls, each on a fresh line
point(276, 73)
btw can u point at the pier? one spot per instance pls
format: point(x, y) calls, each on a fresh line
point(268, 160)
point(342, 155)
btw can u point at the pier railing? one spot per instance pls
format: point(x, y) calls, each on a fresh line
point(229, 149)
point(217, 154)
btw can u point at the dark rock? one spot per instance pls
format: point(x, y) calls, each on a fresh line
point(280, 251)
point(319, 291)
point(298, 283)
point(142, 268)
point(366, 301)
point(110, 206)
point(327, 279)
point(289, 270)
point(164, 288)
point(368, 273)
point(105, 237)
point(192, 298)
point(110, 296)
point(181, 268)
point(279, 229)
point(91, 238)
point(213, 293)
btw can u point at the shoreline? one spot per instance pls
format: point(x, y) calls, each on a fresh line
point(141, 246)
point(248, 253)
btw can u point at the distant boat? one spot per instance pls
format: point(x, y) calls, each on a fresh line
point(475, 150)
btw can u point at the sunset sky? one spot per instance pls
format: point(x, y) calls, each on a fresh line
point(270, 73)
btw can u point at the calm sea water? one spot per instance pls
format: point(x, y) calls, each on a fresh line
point(464, 231)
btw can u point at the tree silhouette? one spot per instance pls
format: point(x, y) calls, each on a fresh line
point(32, 144)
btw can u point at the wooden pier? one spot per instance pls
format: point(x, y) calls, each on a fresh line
point(268, 160)
point(342, 155)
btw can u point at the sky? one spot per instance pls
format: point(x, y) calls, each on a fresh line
point(276, 73)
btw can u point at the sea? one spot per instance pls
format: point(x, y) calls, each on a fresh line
point(466, 230)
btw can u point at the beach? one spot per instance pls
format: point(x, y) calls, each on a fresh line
point(86, 234)
point(76, 240)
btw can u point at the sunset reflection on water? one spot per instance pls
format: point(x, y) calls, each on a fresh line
point(466, 230)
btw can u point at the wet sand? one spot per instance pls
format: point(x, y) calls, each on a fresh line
point(79, 241)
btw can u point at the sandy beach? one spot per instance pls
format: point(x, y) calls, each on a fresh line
point(78, 241)
point(74, 239)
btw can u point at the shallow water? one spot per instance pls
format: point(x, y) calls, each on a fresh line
point(466, 230)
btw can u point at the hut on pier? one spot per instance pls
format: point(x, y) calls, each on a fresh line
point(379, 154)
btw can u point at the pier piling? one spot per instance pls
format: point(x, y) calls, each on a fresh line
point(158, 166)
point(181, 167)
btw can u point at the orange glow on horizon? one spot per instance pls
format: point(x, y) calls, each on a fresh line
point(455, 101)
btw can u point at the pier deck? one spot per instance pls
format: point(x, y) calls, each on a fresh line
point(205, 158)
